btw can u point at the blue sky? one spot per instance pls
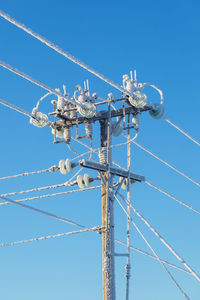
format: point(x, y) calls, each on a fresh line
point(160, 39)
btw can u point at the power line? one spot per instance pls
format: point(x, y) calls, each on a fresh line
point(36, 82)
point(53, 195)
point(182, 131)
point(62, 52)
point(154, 257)
point(162, 240)
point(51, 169)
point(149, 152)
point(42, 212)
point(172, 197)
point(163, 265)
point(67, 183)
point(166, 163)
point(97, 228)
point(20, 110)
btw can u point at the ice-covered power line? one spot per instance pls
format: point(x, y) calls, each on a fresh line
point(55, 194)
point(51, 169)
point(154, 252)
point(172, 197)
point(62, 52)
point(43, 212)
point(97, 228)
point(146, 150)
point(166, 163)
point(67, 183)
point(36, 82)
point(154, 257)
point(162, 239)
point(182, 131)
point(20, 110)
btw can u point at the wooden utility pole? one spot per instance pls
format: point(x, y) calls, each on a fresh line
point(107, 216)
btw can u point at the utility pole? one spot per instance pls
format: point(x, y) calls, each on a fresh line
point(72, 116)
point(108, 259)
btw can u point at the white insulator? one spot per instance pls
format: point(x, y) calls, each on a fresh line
point(82, 97)
point(67, 134)
point(116, 130)
point(60, 103)
point(129, 84)
point(94, 97)
point(42, 119)
point(62, 167)
point(86, 179)
point(103, 155)
point(124, 184)
point(68, 165)
point(138, 99)
point(59, 132)
point(157, 111)
point(136, 121)
point(87, 112)
point(88, 129)
point(67, 113)
point(80, 181)
point(111, 96)
point(72, 114)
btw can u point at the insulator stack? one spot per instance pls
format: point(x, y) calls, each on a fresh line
point(67, 113)
point(67, 134)
point(88, 129)
point(73, 112)
point(103, 155)
point(136, 121)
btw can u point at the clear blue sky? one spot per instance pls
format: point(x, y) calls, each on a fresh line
point(160, 39)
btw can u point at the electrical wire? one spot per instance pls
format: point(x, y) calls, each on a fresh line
point(172, 197)
point(157, 89)
point(162, 240)
point(42, 212)
point(182, 131)
point(97, 228)
point(163, 265)
point(43, 188)
point(154, 257)
point(20, 110)
point(36, 82)
point(166, 163)
point(51, 169)
point(55, 194)
point(62, 52)
point(42, 98)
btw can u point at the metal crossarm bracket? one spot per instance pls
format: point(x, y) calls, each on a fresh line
point(121, 254)
point(102, 115)
point(115, 171)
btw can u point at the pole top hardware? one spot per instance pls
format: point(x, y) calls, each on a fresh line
point(115, 171)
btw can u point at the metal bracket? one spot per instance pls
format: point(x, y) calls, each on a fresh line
point(115, 171)
point(121, 254)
